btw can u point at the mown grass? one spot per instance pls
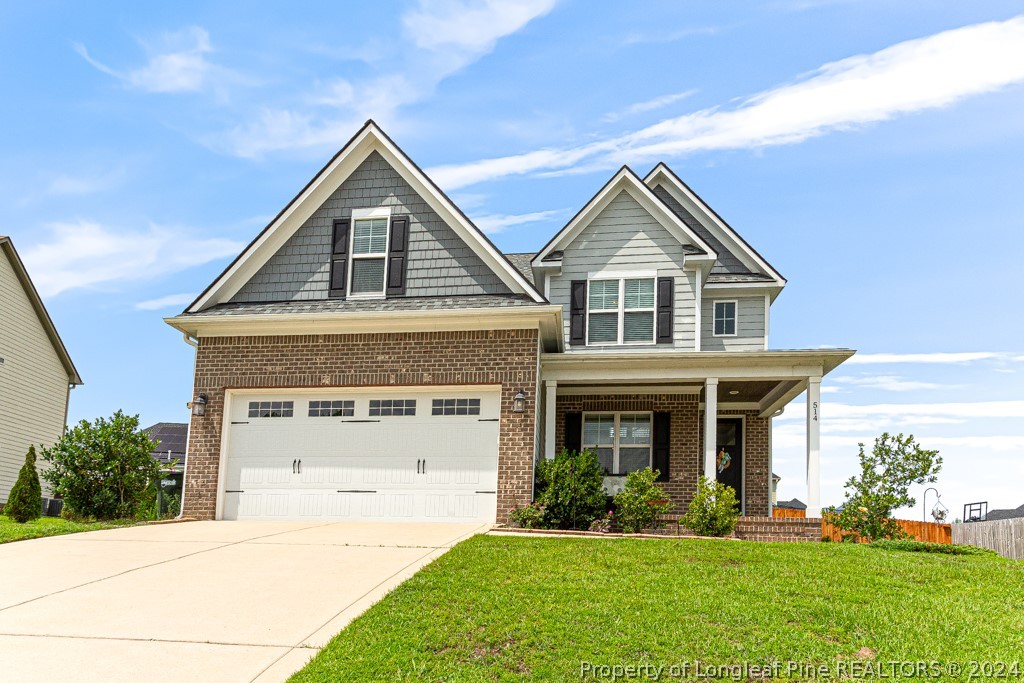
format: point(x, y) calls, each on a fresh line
point(501, 609)
point(47, 526)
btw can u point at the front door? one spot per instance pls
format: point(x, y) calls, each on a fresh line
point(729, 455)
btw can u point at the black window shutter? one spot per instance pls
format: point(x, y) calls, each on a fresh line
point(662, 422)
point(666, 286)
point(339, 257)
point(573, 432)
point(578, 312)
point(398, 255)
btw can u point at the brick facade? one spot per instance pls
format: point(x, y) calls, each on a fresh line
point(788, 529)
point(505, 357)
point(686, 458)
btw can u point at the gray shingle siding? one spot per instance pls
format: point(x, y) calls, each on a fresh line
point(440, 262)
point(727, 261)
point(625, 237)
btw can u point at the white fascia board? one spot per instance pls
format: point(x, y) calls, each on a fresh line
point(662, 175)
point(547, 318)
point(323, 185)
point(626, 180)
point(745, 289)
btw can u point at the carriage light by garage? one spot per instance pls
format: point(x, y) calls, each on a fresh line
point(519, 402)
point(199, 405)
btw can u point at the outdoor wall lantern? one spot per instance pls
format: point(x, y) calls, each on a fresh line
point(198, 406)
point(519, 402)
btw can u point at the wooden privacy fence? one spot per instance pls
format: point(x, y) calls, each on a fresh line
point(921, 531)
point(788, 513)
point(1005, 536)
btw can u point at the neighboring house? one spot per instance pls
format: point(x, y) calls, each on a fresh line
point(371, 355)
point(794, 504)
point(36, 372)
point(172, 438)
point(1005, 514)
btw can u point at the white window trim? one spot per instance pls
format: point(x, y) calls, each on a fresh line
point(367, 214)
point(616, 431)
point(736, 317)
point(621, 311)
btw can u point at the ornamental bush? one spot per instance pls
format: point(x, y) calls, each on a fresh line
point(529, 517)
point(714, 511)
point(571, 490)
point(25, 501)
point(102, 468)
point(640, 501)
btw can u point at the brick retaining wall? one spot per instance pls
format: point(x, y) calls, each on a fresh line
point(789, 529)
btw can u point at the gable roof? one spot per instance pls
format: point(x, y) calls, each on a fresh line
point(173, 438)
point(522, 264)
point(664, 176)
point(626, 180)
point(368, 139)
point(1012, 513)
point(7, 247)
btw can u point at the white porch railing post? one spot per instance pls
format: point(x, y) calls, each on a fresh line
point(710, 426)
point(813, 447)
point(550, 398)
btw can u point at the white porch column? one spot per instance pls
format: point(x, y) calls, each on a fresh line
point(710, 426)
point(813, 447)
point(550, 399)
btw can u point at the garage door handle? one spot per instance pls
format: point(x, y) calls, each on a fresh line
point(418, 466)
point(424, 465)
point(293, 466)
point(489, 419)
point(300, 465)
point(233, 491)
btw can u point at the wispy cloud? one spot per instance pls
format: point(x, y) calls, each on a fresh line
point(442, 37)
point(494, 223)
point(886, 383)
point(648, 38)
point(169, 301)
point(86, 254)
point(878, 417)
point(648, 105)
point(176, 63)
point(908, 77)
point(940, 358)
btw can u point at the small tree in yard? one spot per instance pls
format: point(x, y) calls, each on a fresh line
point(713, 511)
point(102, 469)
point(886, 474)
point(25, 501)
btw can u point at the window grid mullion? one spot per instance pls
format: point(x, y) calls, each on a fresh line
point(622, 327)
point(615, 444)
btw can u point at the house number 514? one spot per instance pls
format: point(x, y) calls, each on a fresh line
point(814, 409)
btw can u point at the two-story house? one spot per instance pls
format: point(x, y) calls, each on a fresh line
point(371, 355)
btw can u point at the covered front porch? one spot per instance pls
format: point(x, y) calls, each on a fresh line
point(685, 414)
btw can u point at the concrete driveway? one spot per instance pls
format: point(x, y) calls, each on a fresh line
point(198, 601)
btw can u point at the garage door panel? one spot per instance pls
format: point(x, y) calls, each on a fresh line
point(410, 467)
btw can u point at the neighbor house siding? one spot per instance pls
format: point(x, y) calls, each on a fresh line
point(440, 262)
point(504, 357)
point(625, 237)
point(33, 381)
point(750, 324)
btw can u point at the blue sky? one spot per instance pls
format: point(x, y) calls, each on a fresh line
point(870, 150)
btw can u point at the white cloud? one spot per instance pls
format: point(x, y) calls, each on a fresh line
point(169, 301)
point(472, 26)
point(887, 383)
point(911, 76)
point(87, 254)
point(638, 38)
point(493, 223)
point(177, 63)
point(649, 105)
point(445, 37)
point(930, 358)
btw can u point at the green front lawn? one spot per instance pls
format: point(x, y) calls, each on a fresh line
point(47, 526)
point(504, 608)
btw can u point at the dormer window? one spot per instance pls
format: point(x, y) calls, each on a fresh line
point(725, 319)
point(620, 310)
point(369, 256)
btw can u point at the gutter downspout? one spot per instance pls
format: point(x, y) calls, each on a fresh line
point(194, 343)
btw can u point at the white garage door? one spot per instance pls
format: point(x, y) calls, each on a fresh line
point(367, 455)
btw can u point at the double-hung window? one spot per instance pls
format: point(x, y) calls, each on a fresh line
point(622, 441)
point(620, 310)
point(725, 319)
point(369, 253)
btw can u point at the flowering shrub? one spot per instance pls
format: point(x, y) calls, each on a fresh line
point(713, 511)
point(603, 525)
point(529, 517)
